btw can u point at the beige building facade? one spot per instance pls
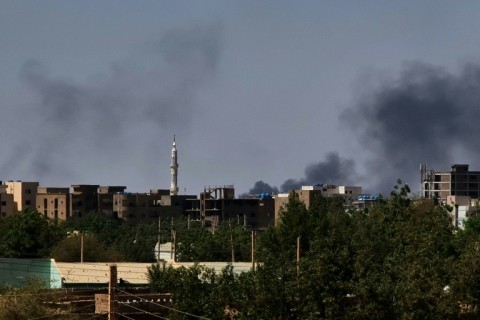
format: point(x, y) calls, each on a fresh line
point(53, 203)
point(24, 194)
point(7, 206)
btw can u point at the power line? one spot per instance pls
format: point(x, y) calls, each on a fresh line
point(144, 311)
point(125, 316)
point(163, 306)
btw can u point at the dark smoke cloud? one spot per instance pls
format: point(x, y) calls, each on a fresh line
point(427, 115)
point(262, 187)
point(333, 170)
point(151, 93)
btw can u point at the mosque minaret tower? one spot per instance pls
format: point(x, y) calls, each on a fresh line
point(174, 170)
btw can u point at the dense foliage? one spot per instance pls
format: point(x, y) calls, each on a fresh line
point(33, 301)
point(31, 235)
point(401, 259)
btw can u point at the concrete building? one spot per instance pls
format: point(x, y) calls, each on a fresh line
point(146, 207)
point(218, 204)
point(53, 203)
point(7, 206)
point(83, 200)
point(308, 195)
point(24, 194)
point(105, 199)
point(463, 207)
point(459, 181)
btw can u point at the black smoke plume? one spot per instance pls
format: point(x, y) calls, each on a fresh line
point(117, 113)
point(333, 170)
point(263, 187)
point(426, 115)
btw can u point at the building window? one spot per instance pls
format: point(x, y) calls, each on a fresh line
point(28, 191)
point(4, 203)
point(27, 202)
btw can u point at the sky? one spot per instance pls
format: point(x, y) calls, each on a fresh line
point(263, 95)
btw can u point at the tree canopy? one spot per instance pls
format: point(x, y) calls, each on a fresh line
point(401, 259)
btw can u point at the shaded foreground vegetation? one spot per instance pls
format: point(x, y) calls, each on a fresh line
point(401, 259)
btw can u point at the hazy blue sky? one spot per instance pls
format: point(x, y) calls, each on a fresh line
point(286, 92)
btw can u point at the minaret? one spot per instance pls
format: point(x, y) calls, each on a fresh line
point(174, 170)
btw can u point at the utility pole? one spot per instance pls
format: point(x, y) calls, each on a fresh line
point(81, 247)
point(231, 241)
point(253, 250)
point(159, 235)
point(112, 286)
point(172, 239)
point(298, 255)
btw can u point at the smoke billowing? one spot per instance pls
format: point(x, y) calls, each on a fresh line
point(155, 91)
point(262, 187)
point(333, 170)
point(425, 115)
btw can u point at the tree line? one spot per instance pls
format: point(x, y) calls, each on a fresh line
point(31, 235)
point(401, 259)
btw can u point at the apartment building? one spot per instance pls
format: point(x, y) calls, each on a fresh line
point(83, 200)
point(218, 204)
point(53, 203)
point(459, 181)
point(24, 194)
point(105, 199)
point(7, 205)
point(147, 207)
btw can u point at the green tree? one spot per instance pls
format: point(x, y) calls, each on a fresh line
point(28, 235)
point(69, 250)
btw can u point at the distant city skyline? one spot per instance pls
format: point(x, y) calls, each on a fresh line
point(270, 94)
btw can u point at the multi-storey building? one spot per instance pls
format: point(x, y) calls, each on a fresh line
point(83, 200)
point(53, 203)
point(218, 204)
point(457, 182)
point(24, 194)
point(143, 207)
point(105, 199)
point(7, 206)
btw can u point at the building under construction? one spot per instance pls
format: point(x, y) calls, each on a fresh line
point(457, 182)
point(218, 204)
